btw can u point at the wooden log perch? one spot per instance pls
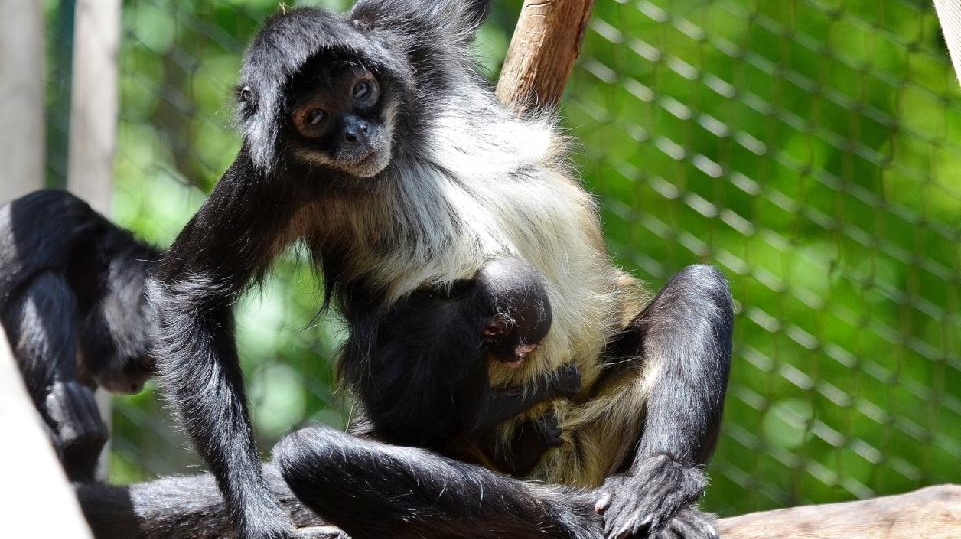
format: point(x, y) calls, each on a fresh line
point(929, 513)
point(545, 44)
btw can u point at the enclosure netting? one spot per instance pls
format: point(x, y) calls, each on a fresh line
point(811, 149)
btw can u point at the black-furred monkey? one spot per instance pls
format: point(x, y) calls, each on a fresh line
point(73, 307)
point(371, 137)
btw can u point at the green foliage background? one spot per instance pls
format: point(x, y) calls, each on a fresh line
point(809, 148)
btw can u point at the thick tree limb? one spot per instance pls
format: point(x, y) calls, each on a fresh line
point(191, 507)
point(932, 512)
point(546, 42)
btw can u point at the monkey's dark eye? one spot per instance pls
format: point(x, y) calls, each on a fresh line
point(245, 94)
point(314, 117)
point(311, 121)
point(365, 90)
point(361, 90)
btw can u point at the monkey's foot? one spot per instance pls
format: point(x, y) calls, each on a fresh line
point(79, 432)
point(642, 503)
point(568, 382)
point(550, 430)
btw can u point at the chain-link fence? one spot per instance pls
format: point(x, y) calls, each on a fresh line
point(809, 148)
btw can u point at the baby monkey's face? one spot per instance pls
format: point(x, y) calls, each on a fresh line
point(341, 116)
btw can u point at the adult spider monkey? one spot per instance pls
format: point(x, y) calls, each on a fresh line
point(73, 308)
point(371, 137)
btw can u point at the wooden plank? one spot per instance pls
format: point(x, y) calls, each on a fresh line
point(21, 108)
point(36, 498)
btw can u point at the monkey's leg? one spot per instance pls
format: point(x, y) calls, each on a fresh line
point(373, 490)
point(40, 320)
point(181, 508)
point(531, 438)
point(684, 336)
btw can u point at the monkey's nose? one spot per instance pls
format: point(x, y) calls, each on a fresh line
point(356, 132)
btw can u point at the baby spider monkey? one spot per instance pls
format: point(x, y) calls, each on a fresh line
point(424, 381)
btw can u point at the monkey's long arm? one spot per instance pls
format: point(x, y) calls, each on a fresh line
point(373, 490)
point(35, 318)
point(226, 246)
point(685, 337)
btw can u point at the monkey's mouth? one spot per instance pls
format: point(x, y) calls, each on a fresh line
point(520, 356)
point(365, 163)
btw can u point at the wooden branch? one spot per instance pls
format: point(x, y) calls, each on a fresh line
point(546, 42)
point(933, 512)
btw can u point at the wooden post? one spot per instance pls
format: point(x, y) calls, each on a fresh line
point(545, 44)
point(93, 110)
point(21, 104)
point(93, 122)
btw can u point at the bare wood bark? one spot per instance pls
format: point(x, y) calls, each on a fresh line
point(545, 44)
point(21, 105)
point(932, 512)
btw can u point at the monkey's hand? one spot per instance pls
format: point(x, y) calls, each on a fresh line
point(550, 430)
point(643, 503)
point(78, 431)
point(568, 381)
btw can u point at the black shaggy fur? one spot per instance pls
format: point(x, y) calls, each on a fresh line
point(73, 308)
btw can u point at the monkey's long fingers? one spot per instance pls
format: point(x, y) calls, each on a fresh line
point(642, 503)
point(79, 430)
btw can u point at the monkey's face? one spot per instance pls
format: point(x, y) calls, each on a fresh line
point(341, 116)
point(513, 295)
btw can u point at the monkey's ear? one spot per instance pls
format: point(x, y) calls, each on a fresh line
point(458, 19)
point(470, 13)
point(246, 101)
